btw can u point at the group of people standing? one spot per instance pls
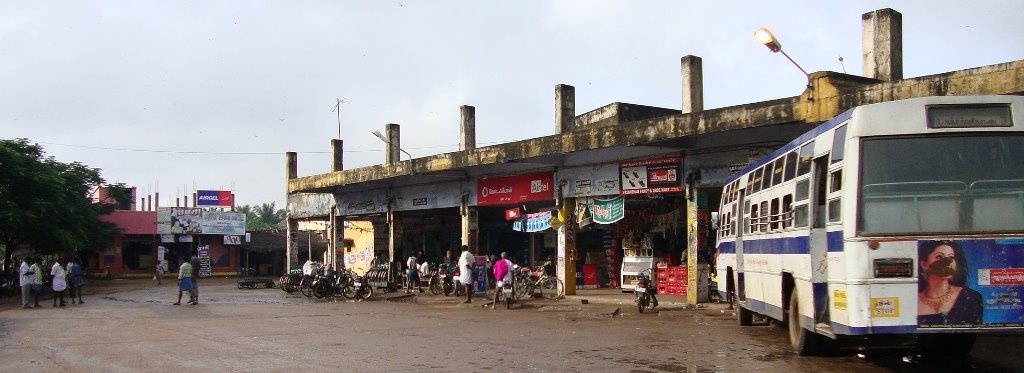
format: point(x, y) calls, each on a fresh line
point(32, 281)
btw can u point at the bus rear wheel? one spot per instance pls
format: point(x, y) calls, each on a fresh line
point(805, 342)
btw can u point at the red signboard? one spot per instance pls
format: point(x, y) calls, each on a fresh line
point(512, 214)
point(515, 189)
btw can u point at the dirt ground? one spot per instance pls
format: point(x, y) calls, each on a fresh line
point(131, 325)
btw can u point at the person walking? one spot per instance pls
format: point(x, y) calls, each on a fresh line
point(159, 273)
point(37, 285)
point(466, 272)
point(194, 262)
point(184, 280)
point(412, 274)
point(27, 279)
point(503, 275)
point(59, 282)
point(75, 275)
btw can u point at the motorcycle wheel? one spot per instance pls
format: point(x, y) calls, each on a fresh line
point(348, 291)
point(320, 290)
point(460, 290)
point(641, 302)
point(449, 288)
point(508, 303)
point(436, 287)
point(365, 292)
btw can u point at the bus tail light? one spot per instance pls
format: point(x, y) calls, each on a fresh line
point(894, 267)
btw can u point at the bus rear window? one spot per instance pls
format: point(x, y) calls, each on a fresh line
point(942, 185)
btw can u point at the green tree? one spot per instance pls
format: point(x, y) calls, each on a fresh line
point(264, 216)
point(45, 203)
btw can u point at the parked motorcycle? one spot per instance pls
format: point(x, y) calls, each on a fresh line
point(359, 288)
point(642, 290)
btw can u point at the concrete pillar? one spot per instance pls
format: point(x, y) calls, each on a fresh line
point(567, 256)
point(149, 201)
point(156, 196)
point(291, 246)
point(467, 128)
point(470, 225)
point(691, 250)
point(392, 133)
point(177, 201)
point(195, 200)
point(882, 44)
point(565, 108)
point(693, 84)
point(337, 158)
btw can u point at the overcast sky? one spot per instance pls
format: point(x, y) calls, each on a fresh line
point(172, 96)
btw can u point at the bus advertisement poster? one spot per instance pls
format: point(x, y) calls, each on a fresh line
point(970, 283)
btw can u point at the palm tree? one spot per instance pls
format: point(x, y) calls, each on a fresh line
point(262, 217)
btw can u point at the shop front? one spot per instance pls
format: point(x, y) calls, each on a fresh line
point(631, 218)
point(513, 213)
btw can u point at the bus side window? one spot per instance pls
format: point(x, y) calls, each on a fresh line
point(834, 210)
point(838, 144)
point(802, 190)
point(763, 227)
point(777, 167)
point(800, 216)
point(804, 164)
point(757, 179)
point(753, 219)
point(775, 214)
point(790, 166)
point(787, 211)
point(835, 181)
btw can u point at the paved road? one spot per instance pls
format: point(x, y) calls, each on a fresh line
point(131, 326)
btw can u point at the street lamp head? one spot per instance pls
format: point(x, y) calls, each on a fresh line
point(380, 136)
point(763, 36)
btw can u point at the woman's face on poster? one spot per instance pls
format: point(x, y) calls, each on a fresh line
point(940, 262)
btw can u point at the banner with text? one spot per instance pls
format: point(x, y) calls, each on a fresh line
point(648, 176)
point(607, 211)
point(515, 189)
point(214, 198)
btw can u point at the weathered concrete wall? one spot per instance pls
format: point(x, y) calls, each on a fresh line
point(831, 94)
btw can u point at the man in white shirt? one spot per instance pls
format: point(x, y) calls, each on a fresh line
point(27, 279)
point(466, 272)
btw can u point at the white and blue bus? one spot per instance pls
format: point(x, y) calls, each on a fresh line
point(893, 224)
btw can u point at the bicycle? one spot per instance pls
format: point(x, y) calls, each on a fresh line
point(527, 283)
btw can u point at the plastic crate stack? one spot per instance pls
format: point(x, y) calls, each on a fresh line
point(671, 280)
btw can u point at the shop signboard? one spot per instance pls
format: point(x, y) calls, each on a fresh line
point(218, 222)
point(590, 181)
point(204, 260)
point(429, 196)
point(533, 222)
point(363, 203)
point(511, 190)
point(310, 205)
point(214, 198)
point(990, 272)
point(607, 211)
point(660, 175)
point(232, 240)
point(185, 220)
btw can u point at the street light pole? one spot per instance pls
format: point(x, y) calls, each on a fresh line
point(763, 36)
